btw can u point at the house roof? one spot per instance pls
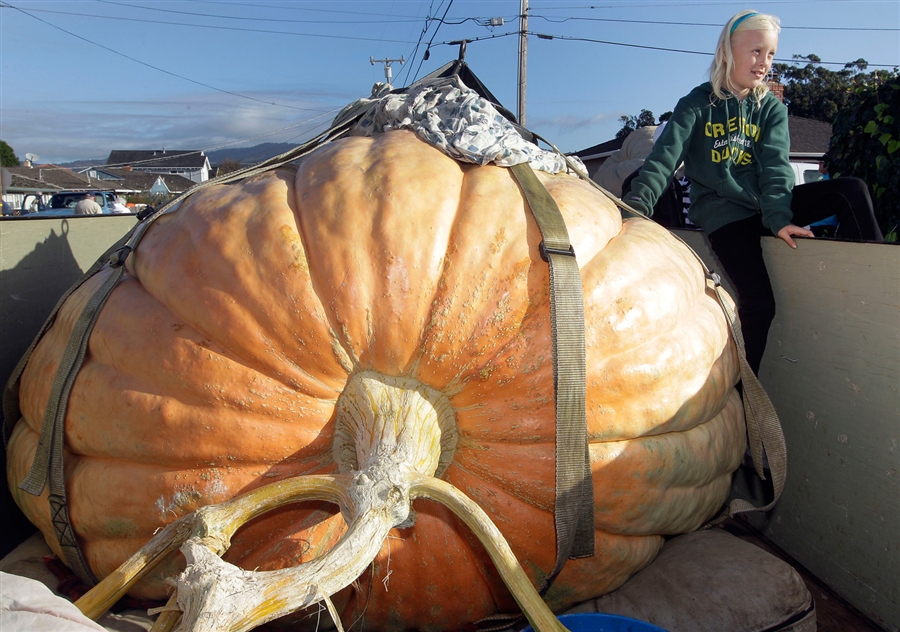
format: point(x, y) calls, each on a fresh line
point(157, 158)
point(809, 136)
point(601, 150)
point(100, 174)
point(48, 178)
point(142, 181)
point(21, 183)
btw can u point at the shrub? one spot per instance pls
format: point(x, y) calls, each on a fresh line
point(866, 144)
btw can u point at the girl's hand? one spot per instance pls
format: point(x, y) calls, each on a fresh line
point(790, 230)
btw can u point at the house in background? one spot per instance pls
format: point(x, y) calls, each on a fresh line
point(126, 181)
point(810, 139)
point(193, 165)
point(159, 187)
point(596, 155)
point(45, 180)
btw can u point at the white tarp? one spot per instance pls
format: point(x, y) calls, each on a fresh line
point(447, 114)
point(27, 604)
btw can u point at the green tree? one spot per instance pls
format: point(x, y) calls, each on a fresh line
point(815, 92)
point(227, 166)
point(866, 144)
point(631, 123)
point(7, 155)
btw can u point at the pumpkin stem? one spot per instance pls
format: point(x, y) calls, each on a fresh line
point(393, 437)
point(216, 524)
point(398, 419)
point(206, 591)
point(169, 616)
point(533, 606)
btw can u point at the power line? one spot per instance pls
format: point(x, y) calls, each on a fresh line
point(665, 23)
point(678, 4)
point(199, 26)
point(421, 37)
point(441, 20)
point(678, 50)
point(256, 5)
point(483, 38)
point(157, 68)
point(544, 36)
point(425, 56)
point(250, 19)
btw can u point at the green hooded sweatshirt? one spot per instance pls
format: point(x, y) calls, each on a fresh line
point(735, 154)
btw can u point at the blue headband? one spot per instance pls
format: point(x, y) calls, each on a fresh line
point(739, 20)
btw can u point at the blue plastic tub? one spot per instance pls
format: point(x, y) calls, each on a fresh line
point(599, 622)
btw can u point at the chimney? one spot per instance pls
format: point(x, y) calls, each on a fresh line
point(777, 89)
point(775, 86)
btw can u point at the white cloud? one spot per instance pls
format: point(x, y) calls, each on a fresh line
point(90, 130)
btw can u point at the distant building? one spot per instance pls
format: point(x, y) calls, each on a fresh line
point(193, 165)
point(47, 178)
point(810, 139)
point(43, 180)
point(159, 187)
point(127, 181)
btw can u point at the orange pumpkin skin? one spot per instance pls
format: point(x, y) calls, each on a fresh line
point(215, 366)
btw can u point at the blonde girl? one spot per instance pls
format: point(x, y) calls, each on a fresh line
point(732, 135)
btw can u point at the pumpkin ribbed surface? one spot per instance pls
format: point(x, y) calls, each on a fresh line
point(218, 363)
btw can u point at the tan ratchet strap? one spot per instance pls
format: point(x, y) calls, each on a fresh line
point(764, 431)
point(48, 459)
point(574, 510)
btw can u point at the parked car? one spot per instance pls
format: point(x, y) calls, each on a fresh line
point(806, 172)
point(63, 202)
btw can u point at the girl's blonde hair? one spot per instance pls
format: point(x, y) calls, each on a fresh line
point(720, 70)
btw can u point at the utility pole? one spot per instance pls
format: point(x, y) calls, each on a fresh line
point(387, 66)
point(523, 58)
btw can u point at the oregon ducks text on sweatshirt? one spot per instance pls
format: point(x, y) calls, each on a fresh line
point(735, 155)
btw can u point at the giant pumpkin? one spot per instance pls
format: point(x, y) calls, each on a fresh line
point(243, 336)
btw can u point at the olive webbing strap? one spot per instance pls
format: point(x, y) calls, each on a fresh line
point(11, 411)
point(48, 459)
point(764, 431)
point(574, 510)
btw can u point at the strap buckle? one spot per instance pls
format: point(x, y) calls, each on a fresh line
point(546, 251)
point(119, 256)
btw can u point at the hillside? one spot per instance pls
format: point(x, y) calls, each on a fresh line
point(248, 155)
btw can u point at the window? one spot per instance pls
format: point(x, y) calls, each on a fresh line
point(811, 175)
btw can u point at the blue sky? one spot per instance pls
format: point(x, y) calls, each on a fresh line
point(79, 78)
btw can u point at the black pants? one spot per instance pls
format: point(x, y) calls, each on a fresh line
point(739, 249)
point(848, 198)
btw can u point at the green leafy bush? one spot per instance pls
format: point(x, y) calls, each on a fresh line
point(865, 143)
